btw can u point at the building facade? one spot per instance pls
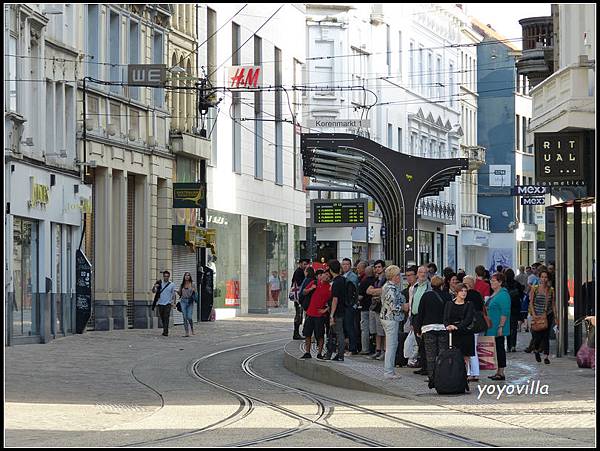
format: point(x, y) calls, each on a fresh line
point(559, 54)
point(44, 196)
point(504, 109)
point(255, 199)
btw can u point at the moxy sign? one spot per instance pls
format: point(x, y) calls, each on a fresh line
point(248, 77)
point(529, 190)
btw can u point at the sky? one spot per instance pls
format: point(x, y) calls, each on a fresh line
point(504, 17)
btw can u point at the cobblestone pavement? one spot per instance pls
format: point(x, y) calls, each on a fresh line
point(123, 388)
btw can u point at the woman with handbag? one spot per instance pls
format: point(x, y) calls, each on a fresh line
point(542, 308)
point(499, 314)
point(188, 295)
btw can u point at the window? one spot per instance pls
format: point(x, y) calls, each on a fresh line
point(440, 87)
point(518, 209)
point(258, 124)
point(451, 83)
point(134, 123)
point(517, 133)
point(400, 55)
point(115, 118)
point(421, 69)
point(236, 105)
point(429, 75)
point(413, 140)
point(157, 58)
point(278, 118)
point(389, 49)
point(390, 136)
point(12, 74)
point(93, 108)
point(524, 131)
point(399, 140)
point(412, 64)
point(50, 117)
point(114, 48)
point(93, 41)
point(323, 75)
point(211, 47)
point(134, 53)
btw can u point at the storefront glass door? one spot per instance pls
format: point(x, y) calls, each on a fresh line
point(25, 308)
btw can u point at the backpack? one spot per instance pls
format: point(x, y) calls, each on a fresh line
point(351, 294)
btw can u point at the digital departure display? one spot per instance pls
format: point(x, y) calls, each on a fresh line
point(339, 213)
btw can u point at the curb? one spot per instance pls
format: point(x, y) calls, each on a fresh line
point(324, 372)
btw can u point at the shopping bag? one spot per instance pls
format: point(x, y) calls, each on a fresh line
point(411, 347)
point(486, 352)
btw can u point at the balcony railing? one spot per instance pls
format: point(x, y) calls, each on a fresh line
point(537, 60)
point(475, 221)
point(437, 210)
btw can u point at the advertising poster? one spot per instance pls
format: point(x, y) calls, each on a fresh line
point(503, 256)
point(486, 351)
point(232, 298)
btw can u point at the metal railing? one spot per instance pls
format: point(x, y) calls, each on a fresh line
point(475, 221)
point(437, 209)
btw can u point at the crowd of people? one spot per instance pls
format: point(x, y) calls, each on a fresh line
point(407, 317)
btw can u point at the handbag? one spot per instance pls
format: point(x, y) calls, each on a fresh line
point(539, 323)
point(178, 306)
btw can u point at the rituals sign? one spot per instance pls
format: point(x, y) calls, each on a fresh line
point(559, 159)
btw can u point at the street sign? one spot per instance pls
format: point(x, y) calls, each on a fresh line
point(500, 175)
point(249, 77)
point(529, 190)
point(338, 123)
point(339, 213)
point(151, 75)
point(533, 200)
point(189, 195)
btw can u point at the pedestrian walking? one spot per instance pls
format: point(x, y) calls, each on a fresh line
point(542, 307)
point(316, 314)
point(375, 325)
point(515, 290)
point(393, 308)
point(475, 298)
point(274, 288)
point(297, 280)
point(429, 323)
point(165, 293)
point(499, 314)
point(338, 306)
point(416, 293)
point(187, 296)
point(365, 307)
point(350, 311)
point(522, 276)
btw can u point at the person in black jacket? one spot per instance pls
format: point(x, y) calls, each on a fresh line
point(515, 290)
point(475, 298)
point(429, 322)
point(458, 316)
point(365, 305)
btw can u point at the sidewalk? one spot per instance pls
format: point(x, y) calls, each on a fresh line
point(570, 392)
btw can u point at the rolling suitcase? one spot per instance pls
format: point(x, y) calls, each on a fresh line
point(450, 373)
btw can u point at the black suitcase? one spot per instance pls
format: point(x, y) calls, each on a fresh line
point(450, 373)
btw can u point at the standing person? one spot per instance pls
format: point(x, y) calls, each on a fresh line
point(349, 312)
point(429, 323)
point(309, 284)
point(475, 298)
point(411, 280)
point(522, 277)
point(452, 283)
point(188, 294)
point(515, 290)
point(166, 299)
point(542, 303)
point(297, 280)
point(374, 320)
point(393, 306)
point(316, 314)
point(418, 290)
point(275, 288)
point(365, 307)
point(458, 316)
point(431, 270)
point(551, 274)
point(533, 277)
point(360, 272)
point(480, 284)
point(499, 314)
point(338, 306)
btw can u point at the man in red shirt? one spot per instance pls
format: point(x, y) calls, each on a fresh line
point(481, 285)
point(316, 315)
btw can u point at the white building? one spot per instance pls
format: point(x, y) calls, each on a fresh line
point(255, 198)
point(44, 196)
point(405, 54)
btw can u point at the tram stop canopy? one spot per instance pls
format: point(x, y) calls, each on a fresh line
point(396, 181)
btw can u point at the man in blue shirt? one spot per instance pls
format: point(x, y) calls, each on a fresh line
point(166, 298)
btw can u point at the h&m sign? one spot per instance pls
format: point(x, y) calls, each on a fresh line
point(249, 77)
point(559, 159)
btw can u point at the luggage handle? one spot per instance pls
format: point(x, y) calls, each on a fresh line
point(450, 339)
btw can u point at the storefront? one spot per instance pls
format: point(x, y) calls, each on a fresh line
point(42, 232)
point(570, 228)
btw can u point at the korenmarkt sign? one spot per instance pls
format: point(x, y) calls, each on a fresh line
point(339, 123)
point(189, 195)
